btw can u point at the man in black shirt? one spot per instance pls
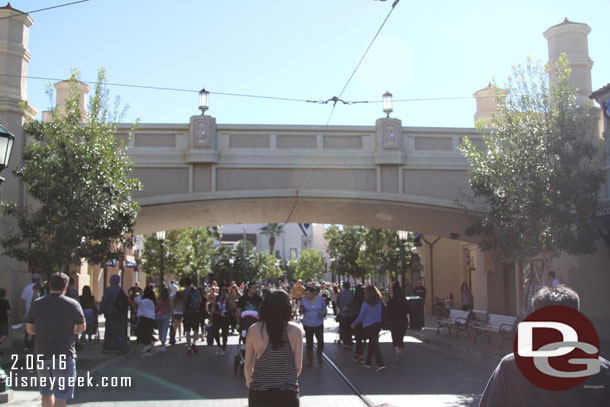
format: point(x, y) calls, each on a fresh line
point(55, 320)
point(420, 290)
point(507, 387)
point(5, 313)
point(250, 301)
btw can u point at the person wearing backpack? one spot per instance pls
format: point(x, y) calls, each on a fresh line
point(371, 317)
point(114, 307)
point(192, 302)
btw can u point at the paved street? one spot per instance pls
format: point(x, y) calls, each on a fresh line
point(428, 376)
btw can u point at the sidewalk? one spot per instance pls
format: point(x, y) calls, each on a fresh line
point(485, 353)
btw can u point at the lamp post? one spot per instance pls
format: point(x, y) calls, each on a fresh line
point(204, 97)
point(404, 237)
point(161, 238)
point(387, 104)
point(7, 139)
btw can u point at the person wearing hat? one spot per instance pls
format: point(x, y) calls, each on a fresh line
point(114, 307)
point(313, 309)
point(27, 297)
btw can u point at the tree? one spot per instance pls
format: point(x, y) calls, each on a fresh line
point(309, 265)
point(262, 266)
point(78, 175)
point(344, 244)
point(536, 187)
point(271, 230)
point(187, 252)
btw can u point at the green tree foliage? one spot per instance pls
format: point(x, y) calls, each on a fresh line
point(79, 177)
point(262, 266)
point(272, 230)
point(310, 265)
point(536, 185)
point(382, 252)
point(186, 252)
point(344, 244)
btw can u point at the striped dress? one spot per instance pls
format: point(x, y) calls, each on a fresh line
point(275, 369)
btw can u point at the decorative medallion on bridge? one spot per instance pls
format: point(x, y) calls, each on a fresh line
point(389, 137)
point(203, 132)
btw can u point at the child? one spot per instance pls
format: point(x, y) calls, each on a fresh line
point(5, 315)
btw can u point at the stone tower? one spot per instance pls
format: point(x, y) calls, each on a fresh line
point(571, 38)
point(14, 59)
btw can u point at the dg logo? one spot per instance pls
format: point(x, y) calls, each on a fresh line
point(557, 348)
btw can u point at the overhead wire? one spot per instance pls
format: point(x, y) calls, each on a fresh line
point(336, 99)
point(19, 13)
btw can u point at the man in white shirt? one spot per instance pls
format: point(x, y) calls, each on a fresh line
point(26, 302)
point(173, 289)
point(28, 294)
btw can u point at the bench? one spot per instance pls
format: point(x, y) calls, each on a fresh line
point(456, 318)
point(478, 316)
point(496, 323)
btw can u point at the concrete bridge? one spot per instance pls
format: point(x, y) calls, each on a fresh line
point(383, 175)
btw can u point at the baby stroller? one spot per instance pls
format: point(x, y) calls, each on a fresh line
point(246, 320)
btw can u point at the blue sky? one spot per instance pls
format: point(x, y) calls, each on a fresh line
point(301, 49)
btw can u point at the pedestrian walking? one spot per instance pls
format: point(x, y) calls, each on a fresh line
point(146, 319)
point(398, 311)
point(177, 316)
point(191, 300)
point(345, 315)
point(221, 312)
point(5, 317)
point(87, 302)
point(274, 355)
point(27, 297)
point(234, 296)
point(114, 307)
point(313, 309)
point(333, 298)
point(55, 319)
point(467, 299)
point(355, 305)
point(298, 292)
point(163, 314)
point(370, 317)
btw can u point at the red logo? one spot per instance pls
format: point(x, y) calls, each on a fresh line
point(556, 348)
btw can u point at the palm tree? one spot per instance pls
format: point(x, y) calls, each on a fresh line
point(272, 230)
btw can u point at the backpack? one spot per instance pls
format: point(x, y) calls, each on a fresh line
point(193, 302)
point(121, 303)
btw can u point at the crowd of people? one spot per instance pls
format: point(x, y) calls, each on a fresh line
point(58, 319)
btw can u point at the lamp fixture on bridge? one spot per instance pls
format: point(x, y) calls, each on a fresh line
point(7, 139)
point(387, 104)
point(204, 96)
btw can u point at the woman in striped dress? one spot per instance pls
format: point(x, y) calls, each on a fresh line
point(274, 354)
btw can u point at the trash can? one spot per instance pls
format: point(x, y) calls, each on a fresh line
point(416, 312)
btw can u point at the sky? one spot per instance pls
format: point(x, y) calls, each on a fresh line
point(301, 49)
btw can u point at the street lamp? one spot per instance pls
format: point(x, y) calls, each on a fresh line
point(387, 104)
point(204, 96)
point(161, 238)
point(7, 139)
point(403, 235)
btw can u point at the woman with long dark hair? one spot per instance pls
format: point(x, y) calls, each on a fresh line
point(274, 354)
point(87, 302)
point(370, 317)
point(146, 319)
point(355, 305)
point(398, 310)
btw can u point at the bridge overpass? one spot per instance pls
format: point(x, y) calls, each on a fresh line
point(385, 175)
